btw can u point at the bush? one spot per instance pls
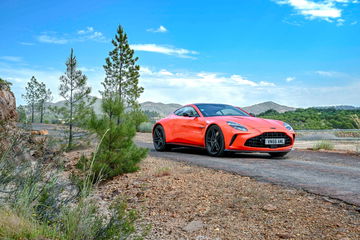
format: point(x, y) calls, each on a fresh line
point(145, 127)
point(117, 153)
point(326, 145)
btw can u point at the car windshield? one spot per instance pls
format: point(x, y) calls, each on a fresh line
point(212, 110)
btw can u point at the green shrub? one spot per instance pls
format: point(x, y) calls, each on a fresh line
point(117, 154)
point(145, 127)
point(326, 145)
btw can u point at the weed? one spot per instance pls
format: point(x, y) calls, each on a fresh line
point(164, 171)
point(326, 145)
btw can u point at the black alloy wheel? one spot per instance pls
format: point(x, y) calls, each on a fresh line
point(214, 139)
point(159, 139)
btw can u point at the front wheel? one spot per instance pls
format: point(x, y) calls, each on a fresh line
point(159, 139)
point(215, 144)
point(278, 154)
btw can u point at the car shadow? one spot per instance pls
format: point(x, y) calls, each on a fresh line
point(202, 152)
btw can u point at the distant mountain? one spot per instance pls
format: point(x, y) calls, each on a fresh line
point(340, 107)
point(263, 107)
point(162, 108)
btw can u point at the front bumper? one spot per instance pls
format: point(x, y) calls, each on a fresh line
point(254, 141)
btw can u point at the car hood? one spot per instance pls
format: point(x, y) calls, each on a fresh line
point(254, 122)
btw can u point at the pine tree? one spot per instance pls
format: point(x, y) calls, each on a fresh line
point(122, 73)
point(117, 153)
point(44, 96)
point(74, 90)
point(32, 95)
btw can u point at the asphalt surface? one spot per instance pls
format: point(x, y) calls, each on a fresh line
point(334, 175)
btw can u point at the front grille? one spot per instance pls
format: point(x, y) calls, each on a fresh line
point(259, 141)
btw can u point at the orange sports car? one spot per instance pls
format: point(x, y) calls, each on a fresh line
point(221, 128)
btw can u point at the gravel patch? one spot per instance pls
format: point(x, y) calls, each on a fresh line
point(189, 202)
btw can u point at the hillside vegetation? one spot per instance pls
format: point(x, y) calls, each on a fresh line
point(314, 118)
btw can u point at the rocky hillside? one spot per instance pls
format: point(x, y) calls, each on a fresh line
point(7, 104)
point(263, 107)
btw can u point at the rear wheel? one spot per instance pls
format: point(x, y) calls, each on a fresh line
point(278, 154)
point(159, 139)
point(214, 139)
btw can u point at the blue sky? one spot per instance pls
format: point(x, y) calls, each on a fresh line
point(295, 52)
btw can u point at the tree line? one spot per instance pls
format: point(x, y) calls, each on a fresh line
point(316, 118)
point(116, 127)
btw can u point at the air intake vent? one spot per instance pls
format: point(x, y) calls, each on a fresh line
point(259, 141)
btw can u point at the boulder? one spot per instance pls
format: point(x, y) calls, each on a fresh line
point(7, 105)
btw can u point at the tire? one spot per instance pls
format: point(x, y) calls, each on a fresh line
point(214, 141)
point(159, 139)
point(278, 154)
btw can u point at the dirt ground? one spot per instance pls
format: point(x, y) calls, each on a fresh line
point(188, 202)
point(339, 146)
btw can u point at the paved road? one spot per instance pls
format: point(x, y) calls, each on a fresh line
point(329, 174)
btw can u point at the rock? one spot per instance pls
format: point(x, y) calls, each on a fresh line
point(40, 132)
point(284, 236)
point(43, 132)
point(7, 105)
point(193, 226)
point(269, 207)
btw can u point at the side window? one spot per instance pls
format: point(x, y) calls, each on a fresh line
point(190, 111)
point(180, 111)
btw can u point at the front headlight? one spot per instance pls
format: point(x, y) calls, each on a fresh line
point(237, 126)
point(288, 127)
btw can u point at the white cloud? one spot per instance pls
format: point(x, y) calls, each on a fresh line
point(243, 81)
point(290, 79)
point(86, 30)
point(27, 43)
point(340, 22)
point(326, 73)
point(86, 69)
point(45, 38)
point(161, 29)
point(11, 58)
point(82, 35)
point(188, 87)
point(328, 10)
point(167, 50)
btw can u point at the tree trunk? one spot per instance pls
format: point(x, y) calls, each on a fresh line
point(120, 87)
point(32, 112)
point(70, 125)
point(41, 112)
point(71, 115)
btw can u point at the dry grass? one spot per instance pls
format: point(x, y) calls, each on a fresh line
point(162, 172)
point(325, 145)
point(13, 226)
